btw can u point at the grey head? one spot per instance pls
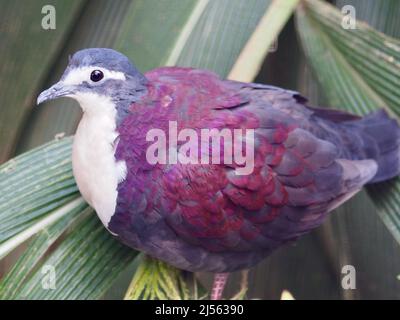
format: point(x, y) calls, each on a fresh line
point(98, 72)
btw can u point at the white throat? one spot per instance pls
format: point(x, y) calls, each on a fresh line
point(96, 171)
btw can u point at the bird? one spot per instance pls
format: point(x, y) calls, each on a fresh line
point(208, 216)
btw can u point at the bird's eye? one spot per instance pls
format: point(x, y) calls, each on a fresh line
point(96, 75)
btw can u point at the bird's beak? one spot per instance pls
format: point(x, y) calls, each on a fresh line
point(55, 91)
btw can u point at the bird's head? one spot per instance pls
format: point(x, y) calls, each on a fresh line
point(96, 73)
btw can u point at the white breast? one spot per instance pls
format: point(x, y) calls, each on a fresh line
point(95, 169)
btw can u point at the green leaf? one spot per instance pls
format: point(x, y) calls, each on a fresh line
point(36, 188)
point(252, 56)
point(178, 33)
point(86, 263)
point(24, 64)
point(12, 283)
point(154, 279)
point(215, 44)
point(359, 70)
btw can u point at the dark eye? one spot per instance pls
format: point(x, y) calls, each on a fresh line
point(96, 75)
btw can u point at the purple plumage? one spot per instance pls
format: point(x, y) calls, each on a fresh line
point(205, 217)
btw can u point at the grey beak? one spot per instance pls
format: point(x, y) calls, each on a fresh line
point(55, 91)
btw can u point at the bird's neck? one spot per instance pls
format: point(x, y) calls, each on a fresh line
point(130, 92)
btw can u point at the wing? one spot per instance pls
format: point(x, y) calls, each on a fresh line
point(299, 182)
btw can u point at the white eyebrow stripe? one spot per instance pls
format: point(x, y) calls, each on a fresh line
point(79, 75)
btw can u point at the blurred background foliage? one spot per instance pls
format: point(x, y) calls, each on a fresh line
point(357, 70)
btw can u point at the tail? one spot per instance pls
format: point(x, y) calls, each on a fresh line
point(380, 137)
